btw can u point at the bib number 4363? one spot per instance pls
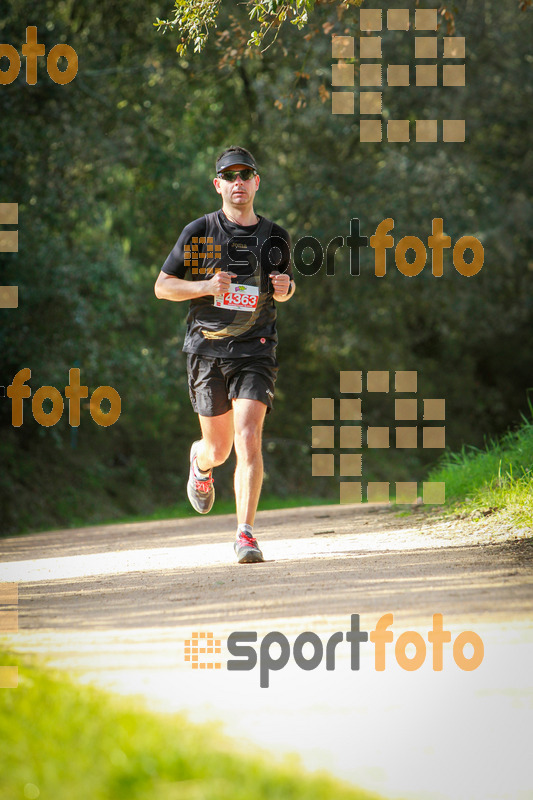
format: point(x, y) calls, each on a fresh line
point(239, 298)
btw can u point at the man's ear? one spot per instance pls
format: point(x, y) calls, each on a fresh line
point(216, 184)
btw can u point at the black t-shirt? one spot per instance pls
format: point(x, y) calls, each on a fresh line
point(211, 243)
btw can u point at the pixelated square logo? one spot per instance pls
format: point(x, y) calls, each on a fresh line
point(9, 598)
point(339, 426)
point(198, 251)
point(439, 62)
point(197, 649)
point(9, 243)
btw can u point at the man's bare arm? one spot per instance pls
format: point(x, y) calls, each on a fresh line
point(169, 287)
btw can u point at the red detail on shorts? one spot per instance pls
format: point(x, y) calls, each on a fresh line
point(262, 341)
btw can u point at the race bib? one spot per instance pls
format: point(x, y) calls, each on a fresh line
point(239, 298)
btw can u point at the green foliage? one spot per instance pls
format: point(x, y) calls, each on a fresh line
point(61, 740)
point(108, 169)
point(499, 477)
point(194, 20)
point(271, 15)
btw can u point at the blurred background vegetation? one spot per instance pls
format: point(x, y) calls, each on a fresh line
point(88, 744)
point(109, 168)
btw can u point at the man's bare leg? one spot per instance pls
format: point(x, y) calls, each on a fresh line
point(206, 453)
point(248, 418)
point(217, 440)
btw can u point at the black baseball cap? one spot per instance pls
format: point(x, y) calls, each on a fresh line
point(232, 158)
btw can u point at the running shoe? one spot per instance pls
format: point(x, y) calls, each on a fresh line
point(247, 549)
point(201, 492)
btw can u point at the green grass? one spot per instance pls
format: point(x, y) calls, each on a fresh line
point(499, 477)
point(62, 741)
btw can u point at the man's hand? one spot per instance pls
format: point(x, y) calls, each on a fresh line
point(281, 283)
point(220, 283)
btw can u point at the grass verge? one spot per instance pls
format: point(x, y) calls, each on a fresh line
point(497, 478)
point(62, 741)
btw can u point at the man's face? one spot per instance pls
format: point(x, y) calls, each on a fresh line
point(238, 193)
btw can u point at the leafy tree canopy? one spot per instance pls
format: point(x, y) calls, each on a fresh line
point(194, 20)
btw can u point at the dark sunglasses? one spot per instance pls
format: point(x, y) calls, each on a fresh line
point(232, 174)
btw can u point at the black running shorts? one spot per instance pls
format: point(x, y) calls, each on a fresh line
point(215, 382)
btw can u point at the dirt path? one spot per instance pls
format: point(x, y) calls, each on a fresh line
point(115, 604)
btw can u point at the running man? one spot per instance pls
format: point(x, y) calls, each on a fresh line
point(240, 265)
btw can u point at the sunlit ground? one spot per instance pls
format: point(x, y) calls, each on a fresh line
point(120, 620)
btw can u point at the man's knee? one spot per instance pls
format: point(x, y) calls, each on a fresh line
point(217, 452)
point(248, 442)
